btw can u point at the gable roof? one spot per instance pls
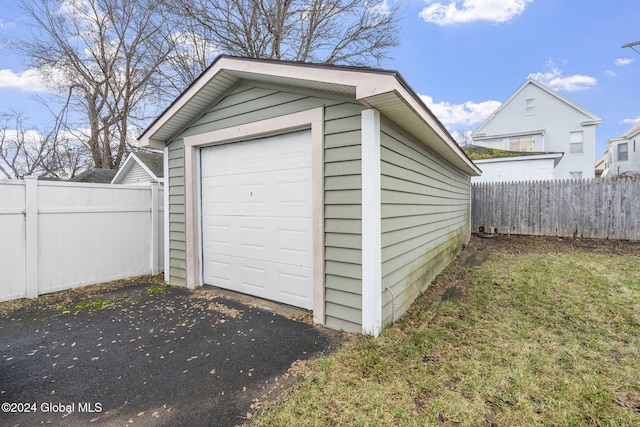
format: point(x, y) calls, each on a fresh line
point(591, 119)
point(152, 163)
point(384, 90)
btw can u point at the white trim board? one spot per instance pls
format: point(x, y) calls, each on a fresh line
point(371, 225)
point(309, 119)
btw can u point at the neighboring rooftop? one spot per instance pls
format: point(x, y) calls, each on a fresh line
point(154, 161)
point(477, 152)
point(95, 175)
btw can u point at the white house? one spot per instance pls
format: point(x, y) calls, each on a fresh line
point(622, 153)
point(538, 119)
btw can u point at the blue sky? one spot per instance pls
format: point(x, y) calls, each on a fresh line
point(465, 57)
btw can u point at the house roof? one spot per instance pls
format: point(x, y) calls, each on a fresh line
point(95, 175)
point(481, 155)
point(633, 130)
point(478, 152)
point(152, 163)
point(629, 134)
point(384, 90)
point(591, 119)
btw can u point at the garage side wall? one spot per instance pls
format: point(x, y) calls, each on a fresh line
point(343, 217)
point(248, 103)
point(425, 219)
point(177, 238)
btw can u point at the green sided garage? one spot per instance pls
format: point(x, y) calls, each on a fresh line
point(329, 188)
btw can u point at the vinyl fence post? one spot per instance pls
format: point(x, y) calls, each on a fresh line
point(155, 247)
point(31, 235)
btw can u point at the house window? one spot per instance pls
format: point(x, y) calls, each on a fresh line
point(623, 152)
point(529, 107)
point(521, 143)
point(575, 175)
point(575, 142)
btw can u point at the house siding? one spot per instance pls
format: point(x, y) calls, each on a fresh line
point(248, 103)
point(425, 219)
point(136, 175)
point(177, 229)
point(343, 217)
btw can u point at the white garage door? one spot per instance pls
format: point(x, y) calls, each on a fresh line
point(257, 217)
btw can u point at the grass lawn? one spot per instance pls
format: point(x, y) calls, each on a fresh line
point(542, 332)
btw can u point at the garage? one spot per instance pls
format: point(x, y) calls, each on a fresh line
point(257, 217)
point(329, 188)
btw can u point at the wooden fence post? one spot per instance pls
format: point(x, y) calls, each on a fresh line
point(31, 235)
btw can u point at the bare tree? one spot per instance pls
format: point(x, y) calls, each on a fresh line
point(30, 152)
point(103, 57)
point(463, 137)
point(355, 32)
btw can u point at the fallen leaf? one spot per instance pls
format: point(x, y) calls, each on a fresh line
point(212, 372)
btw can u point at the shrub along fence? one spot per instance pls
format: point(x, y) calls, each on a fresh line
point(596, 208)
point(61, 235)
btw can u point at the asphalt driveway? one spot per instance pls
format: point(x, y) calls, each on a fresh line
point(146, 355)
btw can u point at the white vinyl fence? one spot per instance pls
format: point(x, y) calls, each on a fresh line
point(60, 235)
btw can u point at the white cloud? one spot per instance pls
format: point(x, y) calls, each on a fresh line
point(460, 117)
point(610, 73)
point(554, 79)
point(465, 11)
point(4, 24)
point(623, 61)
point(28, 80)
point(381, 8)
point(630, 121)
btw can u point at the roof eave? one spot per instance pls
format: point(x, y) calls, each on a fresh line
point(367, 85)
point(425, 126)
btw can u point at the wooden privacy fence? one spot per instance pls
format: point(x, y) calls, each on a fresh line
point(60, 235)
point(596, 208)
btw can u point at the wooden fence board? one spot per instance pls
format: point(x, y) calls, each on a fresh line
point(597, 208)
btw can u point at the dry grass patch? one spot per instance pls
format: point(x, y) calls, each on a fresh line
point(546, 336)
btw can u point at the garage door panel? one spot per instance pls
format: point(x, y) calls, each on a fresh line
point(294, 285)
point(292, 242)
point(253, 238)
point(270, 193)
point(289, 284)
point(250, 156)
point(219, 271)
point(220, 201)
point(284, 240)
point(253, 277)
point(217, 235)
point(256, 218)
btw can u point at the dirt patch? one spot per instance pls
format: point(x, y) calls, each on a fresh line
point(543, 244)
point(472, 259)
point(452, 293)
